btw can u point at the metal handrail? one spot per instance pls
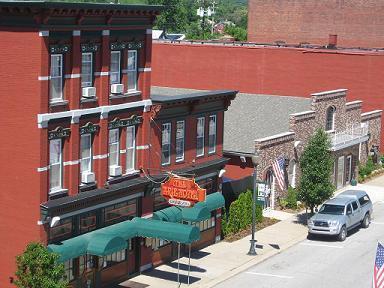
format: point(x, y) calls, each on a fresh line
point(354, 132)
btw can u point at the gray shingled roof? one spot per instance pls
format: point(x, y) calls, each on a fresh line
point(254, 116)
point(249, 117)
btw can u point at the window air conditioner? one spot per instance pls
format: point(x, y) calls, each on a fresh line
point(89, 92)
point(115, 171)
point(117, 88)
point(87, 177)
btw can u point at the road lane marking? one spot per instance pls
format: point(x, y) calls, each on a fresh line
point(321, 245)
point(270, 275)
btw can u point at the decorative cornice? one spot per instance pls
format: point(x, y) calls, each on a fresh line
point(302, 116)
point(353, 105)
point(371, 115)
point(58, 133)
point(89, 128)
point(89, 47)
point(59, 49)
point(126, 45)
point(118, 123)
point(329, 95)
point(274, 140)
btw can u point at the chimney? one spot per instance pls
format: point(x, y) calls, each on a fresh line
point(332, 41)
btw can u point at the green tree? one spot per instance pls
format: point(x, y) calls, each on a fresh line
point(316, 168)
point(37, 268)
point(174, 17)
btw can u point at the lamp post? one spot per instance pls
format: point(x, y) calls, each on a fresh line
point(255, 162)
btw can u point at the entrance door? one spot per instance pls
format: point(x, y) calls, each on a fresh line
point(348, 169)
point(340, 172)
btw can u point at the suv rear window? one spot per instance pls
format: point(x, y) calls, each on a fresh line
point(364, 200)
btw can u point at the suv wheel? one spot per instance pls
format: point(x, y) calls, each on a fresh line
point(365, 222)
point(343, 234)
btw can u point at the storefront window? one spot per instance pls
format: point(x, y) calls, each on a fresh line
point(87, 222)
point(207, 184)
point(159, 201)
point(86, 263)
point(62, 230)
point(68, 266)
point(113, 259)
point(156, 243)
point(120, 212)
point(206, 224)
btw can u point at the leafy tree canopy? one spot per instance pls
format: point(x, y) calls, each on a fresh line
point(316, 168)
point(37, 268)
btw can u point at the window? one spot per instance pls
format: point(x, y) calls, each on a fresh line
point(114, 147)
point(86, 153)
point(132, 70)
point(200, 136)
point(206, 224)
point(364, 200)
point(55, 165)
point(62, 230)
point(86, 70)
point(86, 263)
point(68, 267)
point(349, 209)
point(292, 173)
point(156, 243)
point(166, 144)
point(180, 141)
point(114, 72)
point(112, 259)
point(119, 212)
point(354, 205)
point(87, 222)
point(159, 201)
point(56, 78)
point(131, 148)
point(330, 122)
point(212, 134)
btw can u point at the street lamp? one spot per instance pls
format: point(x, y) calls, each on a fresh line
point(255, 162)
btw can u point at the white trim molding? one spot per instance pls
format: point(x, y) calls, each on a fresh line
point(43, 169)
point(105, 32)
point(44, 78)
point(44, 33)
point(101, 156)
point(101, 73)
point(143, 147)
point(145, 69)
point(69, 163)
point(72, 76)
point(43, 119)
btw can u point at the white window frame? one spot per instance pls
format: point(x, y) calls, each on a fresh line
point(85, 84)
point(59, 78)
point(167, 126)
point(111, 131)
point(115, 72)
point(212, 148)
point(131, 150)
point(200, 120)
point(60, 163)
point(180, 158)
point(89, 169)
point(132, 72)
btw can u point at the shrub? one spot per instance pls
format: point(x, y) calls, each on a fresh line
point(292, 198)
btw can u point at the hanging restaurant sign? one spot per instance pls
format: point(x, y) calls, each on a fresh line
point(117, 123)
point(89, 128)
point(59, 132)
point(184, 192)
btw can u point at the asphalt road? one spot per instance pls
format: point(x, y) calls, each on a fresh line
point(320, 263)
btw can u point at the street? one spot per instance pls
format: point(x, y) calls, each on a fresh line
point(320, 263)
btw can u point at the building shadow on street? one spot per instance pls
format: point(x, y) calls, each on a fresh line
point(172, 276)
point(184, 267)
point(198, 254)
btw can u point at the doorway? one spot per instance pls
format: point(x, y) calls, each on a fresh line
point(340, 172)
point(348, 169)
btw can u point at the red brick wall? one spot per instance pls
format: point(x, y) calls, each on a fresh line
point(357, 23)
point(271, 70)
point(20, 146)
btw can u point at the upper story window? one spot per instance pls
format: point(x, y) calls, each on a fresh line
point(330, 122)
point(86, 153)
point(180, 127)
point(86, 70)
point(56, 78)
point(200, 136)
point(132, 70)
point(114, 151)
point(131, 148)
point(114, 71)
point(55, 165)
point(212, 134)
point(166, 144)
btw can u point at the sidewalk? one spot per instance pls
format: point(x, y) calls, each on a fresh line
point(216, 263)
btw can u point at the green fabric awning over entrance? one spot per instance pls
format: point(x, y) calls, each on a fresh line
point(195, 214)
point(166, 230)
point(70, 248)
point(170, 214)
point(101, 244)
point(213, 201)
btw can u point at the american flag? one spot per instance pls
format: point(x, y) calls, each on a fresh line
point(278, 169)
point(378, 275)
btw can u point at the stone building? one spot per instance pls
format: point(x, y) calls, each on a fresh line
point(280, 130)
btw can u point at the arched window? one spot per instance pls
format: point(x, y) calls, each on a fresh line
point(292, 173)
point(330, 124)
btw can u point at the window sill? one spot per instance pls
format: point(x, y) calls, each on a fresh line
point(57, 192)
point(131, 173)
point(125, 95)
point(127, 175)
point(58, 103)
point(181, 161)
point(87, 100)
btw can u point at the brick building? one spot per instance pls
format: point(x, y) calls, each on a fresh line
point(356, 23)
point(84, 156)
point(353, 134)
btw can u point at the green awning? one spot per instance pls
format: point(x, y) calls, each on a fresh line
point(166, 230)
point(195, 214)
point(213, 201)
point(71, 248)
point(125, 230)
point(170, 214)
point(101, 244)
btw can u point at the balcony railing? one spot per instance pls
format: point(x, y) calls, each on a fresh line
point(356, 134)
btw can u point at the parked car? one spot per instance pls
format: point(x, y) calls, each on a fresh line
point(340, 214)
